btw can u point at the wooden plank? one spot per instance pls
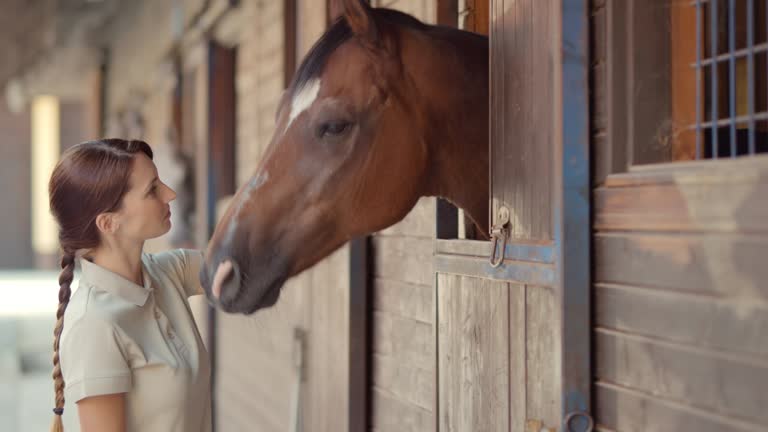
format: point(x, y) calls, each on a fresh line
point(626, 410)
point(683, 208)
point(599, 115)
point(238, 413)
point(542, 356)
point(327, 354)
point(730, 266)
point(522, 140)
point(722, 171)
point(682, 25)
point(420, 222)
point(681, 199)
point(542, 252)
point(403, 299)
point(727, 385)
point(261, 376)
point(517, 353)
point(702, 321)
point(515, 271)
point(473, 354)
point(406, 259)
point(614, 156)
point(393, 415)
point(477, 20)
point(407, 340)
point(404, 381)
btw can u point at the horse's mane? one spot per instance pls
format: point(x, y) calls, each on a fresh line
point(338, 33)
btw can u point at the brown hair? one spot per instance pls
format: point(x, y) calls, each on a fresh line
point(91, 178)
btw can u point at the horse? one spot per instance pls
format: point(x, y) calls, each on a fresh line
point(383, 110)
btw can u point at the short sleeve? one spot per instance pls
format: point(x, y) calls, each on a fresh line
point(183, 265)
point(92, 361)
point(192, 261)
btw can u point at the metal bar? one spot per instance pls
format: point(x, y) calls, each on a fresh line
point(571, 212)
point(751, 75)
point(732, 75)
point(713, 91)
point(698, 78)
point(744, 52)
point(725, 122)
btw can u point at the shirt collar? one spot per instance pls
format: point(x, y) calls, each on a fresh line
point(105, 280)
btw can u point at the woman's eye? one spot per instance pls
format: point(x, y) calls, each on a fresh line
point(333, 128)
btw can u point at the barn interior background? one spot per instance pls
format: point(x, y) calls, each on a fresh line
point(677, 300)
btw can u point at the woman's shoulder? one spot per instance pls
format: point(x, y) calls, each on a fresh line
point(91, 312)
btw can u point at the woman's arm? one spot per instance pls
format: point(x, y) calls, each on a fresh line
point(104, 413)
point(192, 261)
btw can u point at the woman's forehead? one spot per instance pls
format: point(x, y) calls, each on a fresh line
point(143, 171)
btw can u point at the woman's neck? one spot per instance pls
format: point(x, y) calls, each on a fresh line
point(124, 260)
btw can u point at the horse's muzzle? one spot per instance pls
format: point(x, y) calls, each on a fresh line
point(224, 283)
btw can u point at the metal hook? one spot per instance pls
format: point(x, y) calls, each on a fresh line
point(496, 260)
point(499, 230)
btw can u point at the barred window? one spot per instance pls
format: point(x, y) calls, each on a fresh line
point(686, 79)
point(731, 96)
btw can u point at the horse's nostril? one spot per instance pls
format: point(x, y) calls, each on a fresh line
point(226, 272)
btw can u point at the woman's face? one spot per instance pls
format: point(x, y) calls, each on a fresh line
point(145, 212)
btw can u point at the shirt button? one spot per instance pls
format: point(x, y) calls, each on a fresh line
point(171, 335)
point(157, 314)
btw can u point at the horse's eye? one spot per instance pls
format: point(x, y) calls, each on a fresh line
point(333, 128)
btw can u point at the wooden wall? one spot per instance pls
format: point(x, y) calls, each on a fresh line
point(403, 358)
point(680, 298)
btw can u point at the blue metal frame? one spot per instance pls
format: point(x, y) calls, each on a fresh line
point(572, 213)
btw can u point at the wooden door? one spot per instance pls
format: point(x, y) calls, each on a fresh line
point(513, 350)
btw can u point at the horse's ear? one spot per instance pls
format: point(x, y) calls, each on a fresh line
point(359, 17)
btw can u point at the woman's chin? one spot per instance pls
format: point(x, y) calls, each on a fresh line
point(163, 230)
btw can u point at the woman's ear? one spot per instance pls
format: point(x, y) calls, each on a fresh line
point(107, 223)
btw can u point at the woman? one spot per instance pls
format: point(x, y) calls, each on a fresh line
point(126, 344)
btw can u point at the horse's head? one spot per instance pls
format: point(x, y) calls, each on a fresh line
point(349, 156)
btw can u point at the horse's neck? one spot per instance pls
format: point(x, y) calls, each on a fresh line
point(460, 167)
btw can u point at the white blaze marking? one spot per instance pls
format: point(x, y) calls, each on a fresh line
point(256, 182)
point(303, 99)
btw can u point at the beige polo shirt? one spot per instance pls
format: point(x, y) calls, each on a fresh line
point(120, 337)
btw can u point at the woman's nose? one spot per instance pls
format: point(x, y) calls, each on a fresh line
point(170, 194)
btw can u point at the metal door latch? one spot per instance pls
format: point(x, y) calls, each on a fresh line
point(499, 231)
